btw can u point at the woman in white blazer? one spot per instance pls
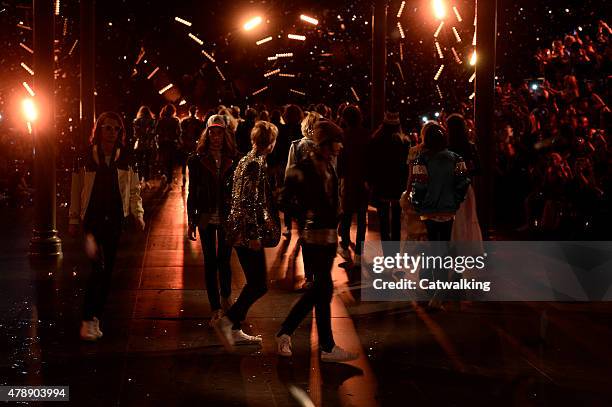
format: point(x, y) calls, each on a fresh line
point(105, 190)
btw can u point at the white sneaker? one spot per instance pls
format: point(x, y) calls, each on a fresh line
point(344, 253)
point(97, 327)
point(241, 338)
point(283, 345)
point(357, 260)
point(223, 328)
point(338, 355)
point(88, 331)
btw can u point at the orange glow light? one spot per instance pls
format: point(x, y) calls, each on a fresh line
point(439, 9)
point(29, 110)
point(252, 23)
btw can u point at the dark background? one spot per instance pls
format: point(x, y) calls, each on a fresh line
point(124, 28)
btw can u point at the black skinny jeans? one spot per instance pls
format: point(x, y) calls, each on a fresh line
point(216, 263)
point(106, 236)
point(345, 228)
point(253, 263)
point(319, 260)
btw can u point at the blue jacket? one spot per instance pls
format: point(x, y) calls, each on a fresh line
point(439, 182)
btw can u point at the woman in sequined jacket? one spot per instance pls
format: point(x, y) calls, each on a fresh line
point(252, 225)
point(210, 182)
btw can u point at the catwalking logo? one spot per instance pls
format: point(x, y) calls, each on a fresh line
point(423, 262)
point(434, 285)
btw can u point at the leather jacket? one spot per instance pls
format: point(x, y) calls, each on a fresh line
point(311, 195)
point(207, 191)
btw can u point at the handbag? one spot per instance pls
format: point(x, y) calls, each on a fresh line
point(271, 233)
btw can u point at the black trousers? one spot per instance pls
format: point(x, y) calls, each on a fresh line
point(439, 233)
point(146, 160)
point(389, 215)
point(217, 271)
point(253, 263)
point(168, 158)
point(106, 236)
point(319, 260)
point(345, 228)
point(390, 218)
point(183, 155)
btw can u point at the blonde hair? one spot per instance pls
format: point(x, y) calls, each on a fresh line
point(308, 123)
point(231, 120)
point(263, 134)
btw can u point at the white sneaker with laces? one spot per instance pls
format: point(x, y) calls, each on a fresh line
point(338, 354)
point(97, 327)
point(223, 328)
point(344, 253)
point(241, 338)
point(283, 345)
point(88, 331)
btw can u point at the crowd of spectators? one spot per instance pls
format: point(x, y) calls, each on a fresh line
point(553, 155)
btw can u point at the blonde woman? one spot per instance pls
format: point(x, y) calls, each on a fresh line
point(252, 225)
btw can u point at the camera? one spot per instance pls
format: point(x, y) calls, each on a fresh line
point(535, 84)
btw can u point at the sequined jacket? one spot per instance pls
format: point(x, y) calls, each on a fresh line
point(253, 213)
point(439, 182)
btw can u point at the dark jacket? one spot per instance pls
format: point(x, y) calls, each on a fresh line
point(144, 134)
point(287, 134)
point(305, 196)
point(387, 170)
point(352, 169)
point(439, 182)
point(207, 192)
point(191, 129)
point(243, 136)
point(168, 130)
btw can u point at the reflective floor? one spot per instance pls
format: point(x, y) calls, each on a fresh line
point(158, 349)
